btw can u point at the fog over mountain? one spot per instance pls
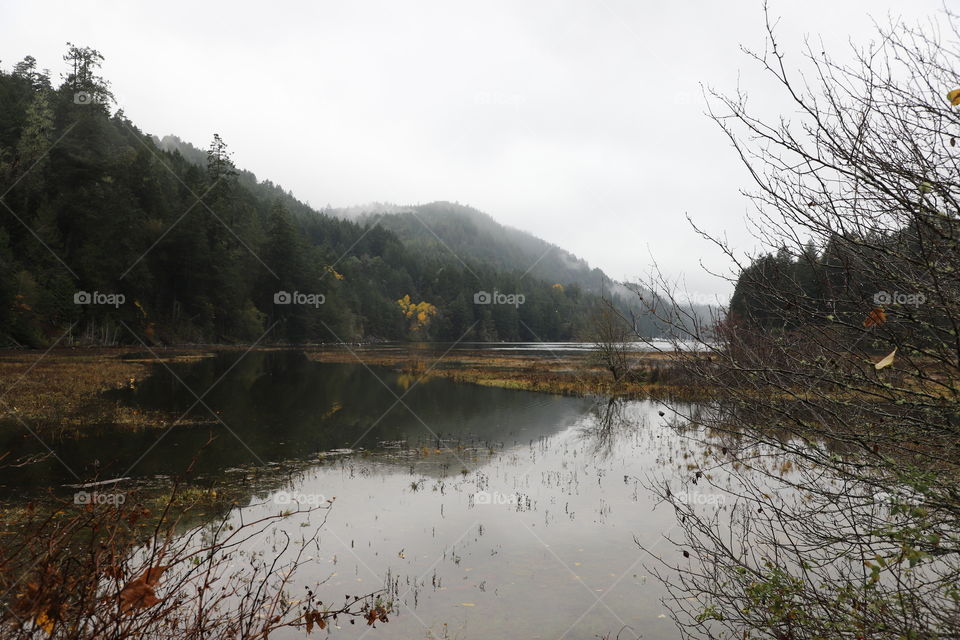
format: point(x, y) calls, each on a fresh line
point(580, 122)
point(456, 232)
point(466, 233)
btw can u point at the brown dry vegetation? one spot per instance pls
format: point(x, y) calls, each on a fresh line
point(566, 374)
point(136, 570)
point(64, 388)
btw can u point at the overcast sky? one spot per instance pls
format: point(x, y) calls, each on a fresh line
point(581, 122)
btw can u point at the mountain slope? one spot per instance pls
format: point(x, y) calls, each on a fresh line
point(116, 236)
point(446, 229)
point(464, 238)
point(466, 234)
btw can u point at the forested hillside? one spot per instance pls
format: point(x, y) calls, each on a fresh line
point(841, 282)
point(111, 235)
point(465, 237)
point(462, 232)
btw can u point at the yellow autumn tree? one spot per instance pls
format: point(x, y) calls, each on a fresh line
point(336, 274)
point(418, 314)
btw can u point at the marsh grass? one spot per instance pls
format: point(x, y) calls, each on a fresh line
point(651, 374)
point(66, 389)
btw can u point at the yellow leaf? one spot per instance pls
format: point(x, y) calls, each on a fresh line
point(887, 360)
point(954, 97)
point(45, 622)
point(467, 604)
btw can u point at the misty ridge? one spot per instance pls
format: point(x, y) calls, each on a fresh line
point(106, 210)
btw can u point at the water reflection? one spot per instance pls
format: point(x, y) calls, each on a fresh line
point(536, 541)
point(490, 512)
point(265, 407)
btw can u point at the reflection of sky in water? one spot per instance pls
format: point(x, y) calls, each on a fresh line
point(524, 528)
point(544, 348)
point(536, 542)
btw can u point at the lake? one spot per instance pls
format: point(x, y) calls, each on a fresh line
point(492, 512)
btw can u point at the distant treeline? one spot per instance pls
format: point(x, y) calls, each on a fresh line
point(854, 280)
point(104, 229)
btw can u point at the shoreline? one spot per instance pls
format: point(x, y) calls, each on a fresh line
point(64, 388)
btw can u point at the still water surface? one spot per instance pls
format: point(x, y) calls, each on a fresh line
point(496, 513)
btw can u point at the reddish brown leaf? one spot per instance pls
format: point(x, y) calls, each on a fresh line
point(140, 593)
point(875, 318)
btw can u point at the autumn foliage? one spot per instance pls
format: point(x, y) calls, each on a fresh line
point(418, 315)
point(122, 571)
